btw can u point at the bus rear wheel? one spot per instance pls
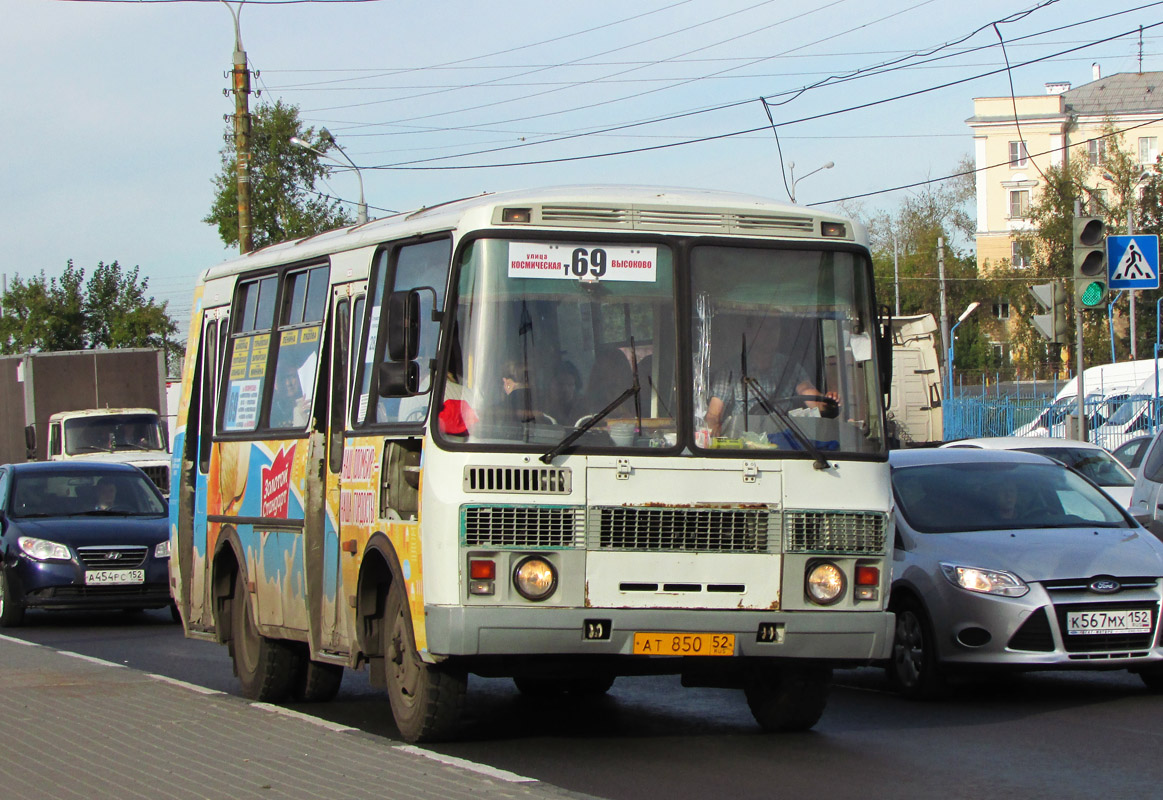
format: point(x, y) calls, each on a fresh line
point(788, 698)
point(426, 698)
point(265, 667)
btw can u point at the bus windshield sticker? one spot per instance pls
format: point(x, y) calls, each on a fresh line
point(575, 262)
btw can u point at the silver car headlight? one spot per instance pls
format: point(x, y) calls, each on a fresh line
point(43, 549)
point(985, 581)
point(162, 549)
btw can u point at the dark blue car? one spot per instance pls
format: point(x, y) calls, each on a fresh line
point(81, 535)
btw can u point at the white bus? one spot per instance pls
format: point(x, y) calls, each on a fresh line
point(475, 439)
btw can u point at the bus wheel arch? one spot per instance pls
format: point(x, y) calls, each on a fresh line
point(266, 668)
point(426, 698)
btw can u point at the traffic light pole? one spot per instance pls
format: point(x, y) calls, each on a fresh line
point(1080, 369)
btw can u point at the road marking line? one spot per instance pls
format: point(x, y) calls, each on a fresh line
point(463, 763)
point(91, 659)
point(193, 687)
point(286, 712)
point(14, 640)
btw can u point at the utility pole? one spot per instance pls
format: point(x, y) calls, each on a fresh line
point(1131, 292)
point(241, 89)
point(896, 273)
point(945, 343)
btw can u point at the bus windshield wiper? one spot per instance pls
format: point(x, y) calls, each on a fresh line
point(590, 422)
point(773, 410)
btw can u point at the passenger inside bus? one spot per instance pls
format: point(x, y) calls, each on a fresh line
point(776, 364)
point(289, 405)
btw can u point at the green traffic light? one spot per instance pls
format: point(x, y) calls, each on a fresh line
point(1093, 294)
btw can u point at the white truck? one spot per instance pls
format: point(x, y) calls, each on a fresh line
point(914, 413)
point(106, 405)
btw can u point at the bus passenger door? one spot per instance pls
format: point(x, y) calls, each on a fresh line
point(200, 450)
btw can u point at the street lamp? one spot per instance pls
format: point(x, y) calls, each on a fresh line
point(791, 166)
point(952, 338)
point(325, 135)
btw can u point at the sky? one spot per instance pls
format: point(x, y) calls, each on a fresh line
point(115, 110)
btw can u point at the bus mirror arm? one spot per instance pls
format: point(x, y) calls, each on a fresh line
point(884, 342)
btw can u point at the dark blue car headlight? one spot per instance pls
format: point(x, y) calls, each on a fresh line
point(43, 549)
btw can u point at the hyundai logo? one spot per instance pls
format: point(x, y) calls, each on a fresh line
point(1105, 585)
point(114, 555)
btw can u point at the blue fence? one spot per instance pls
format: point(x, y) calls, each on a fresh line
point(1110, 422)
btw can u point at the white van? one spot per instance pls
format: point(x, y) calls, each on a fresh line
point(1107, 387)
point(1131, 418)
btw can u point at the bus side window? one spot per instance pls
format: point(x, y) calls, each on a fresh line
point(253, 315)
point(341, 347)
point(413, 266)
point(297, 362)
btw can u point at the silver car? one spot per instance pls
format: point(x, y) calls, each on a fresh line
point(1009, 559)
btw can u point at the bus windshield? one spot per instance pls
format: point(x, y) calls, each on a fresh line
point(783, 351)
point(538, 350)
point(549, 336)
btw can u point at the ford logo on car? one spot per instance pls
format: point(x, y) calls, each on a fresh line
point(1105, 585)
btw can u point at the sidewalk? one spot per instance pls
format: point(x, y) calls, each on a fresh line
point(75, 727)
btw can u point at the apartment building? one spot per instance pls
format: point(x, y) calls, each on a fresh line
point(1060, 124)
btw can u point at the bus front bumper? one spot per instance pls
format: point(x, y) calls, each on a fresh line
point(851, 637)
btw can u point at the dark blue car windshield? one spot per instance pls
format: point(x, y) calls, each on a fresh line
point(75, 493)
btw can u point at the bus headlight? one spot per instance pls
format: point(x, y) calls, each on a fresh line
point(825, 583)
point(534, 578)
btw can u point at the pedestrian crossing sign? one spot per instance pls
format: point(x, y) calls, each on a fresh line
point(1133, 261)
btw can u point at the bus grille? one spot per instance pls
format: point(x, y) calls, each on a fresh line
point(530, 480)
point(521, 526)
point(856, 532)
point(705, 530)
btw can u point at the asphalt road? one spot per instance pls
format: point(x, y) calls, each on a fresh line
point(1057, 734)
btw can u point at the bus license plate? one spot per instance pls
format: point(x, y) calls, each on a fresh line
point(114, 577)
point(1098, 623)
point(684, 644)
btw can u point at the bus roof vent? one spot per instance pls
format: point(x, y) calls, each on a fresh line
point(519, 480)
point(597, 216)
point(756, 223)
point(651, 218)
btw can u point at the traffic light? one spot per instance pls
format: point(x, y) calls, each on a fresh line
point(1054, 324)
point(1090, 278)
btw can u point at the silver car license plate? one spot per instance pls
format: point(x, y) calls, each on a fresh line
point(1098, 623)
point(114, 577)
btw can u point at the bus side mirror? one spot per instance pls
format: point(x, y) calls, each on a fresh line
point(30, 442)
point(403, 326)
point(398, 379)
point(885, 355)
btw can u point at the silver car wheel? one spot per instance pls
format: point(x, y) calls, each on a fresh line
point(908, 649)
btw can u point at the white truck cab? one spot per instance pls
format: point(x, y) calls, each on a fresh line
point(125, 435)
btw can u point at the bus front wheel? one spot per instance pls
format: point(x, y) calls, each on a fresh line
point(266, 668)
point(426, 698)
point(788, 698)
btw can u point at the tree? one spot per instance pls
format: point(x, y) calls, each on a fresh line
point(66, 313)
point(908, 237)
point(284, 203)
point(44, 314)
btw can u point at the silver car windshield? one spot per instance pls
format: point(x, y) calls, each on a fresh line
point(955, 498)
